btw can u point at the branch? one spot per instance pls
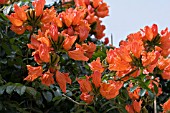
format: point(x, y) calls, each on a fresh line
point(83, 104)
point(32, 31)
point(155, 109)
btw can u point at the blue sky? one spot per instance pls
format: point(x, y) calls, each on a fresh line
point(128, 16)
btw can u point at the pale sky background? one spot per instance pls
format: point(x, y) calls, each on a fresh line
point(128, 16)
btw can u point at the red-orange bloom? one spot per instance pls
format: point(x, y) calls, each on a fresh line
point(3, 1)
point(89, 49)
point(83, 30)
point(96, 65)
point(44, 53)
point(38, 5)
point(68, 42)
point(135, 94)
point(134, 108)
point(150, 32)
point(49, 15)
point(150, 58)
point(102, 10)
point(129, 108)
point(137, 106)
point(62, 79)
point(166, 106)
point(111, 89)
point(96, 3)
point(86, 97)
point(33, 72)
point(85, 85)
point(18, 29)
point(164, 42)
point(20, 12)
point(47, 79)
point(34, 43)
point(53, 32)
point(99, 30)
point(78, 54)
point(116, 61)
point(14, 19)
point(96, 78)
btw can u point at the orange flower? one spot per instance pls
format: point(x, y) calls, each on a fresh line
point(96, 3)
point(166, 107)
point(137, 106)
point(47, 79)
point(58, 22)
point(86, 97)
point(150, 58)
point(89, 49)
point(67, 17)
point(14, 19)
point(85, 85)
point(91, 18)
point(34, 43)
point(44, 53)
point(83, 30)
point(99, 30)
point(38, 5)
point(37, 57)
point(96, 78)
point(62, 79)
point(33, 72)
point(164, 42)
point(49, 15)
point(102, 10)
point(116, 61)
point(111, 89)
point(53, 32)
point(20, 12)
point(164, 64)
point(79, 3)
point(106, 41)
point(3, 1)
point(18, 29)
point(135, 94)
point(134, 108)
point(68, 42)
point(78, 54)
point(129, 109)
point(150, 32)
point(96, 65)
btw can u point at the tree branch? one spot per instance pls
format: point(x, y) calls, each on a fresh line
point(83, 104)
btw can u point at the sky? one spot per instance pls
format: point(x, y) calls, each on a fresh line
point(129, 16)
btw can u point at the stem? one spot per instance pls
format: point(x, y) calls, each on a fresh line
point(155, 109)
point(74, 100)
point(33, 28)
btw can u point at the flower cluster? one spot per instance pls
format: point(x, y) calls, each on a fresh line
point(64, 32)
point(138, 62)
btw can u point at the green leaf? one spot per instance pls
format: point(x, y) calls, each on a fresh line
point(20, 89)
point(48, 96)
point(31, 91)
point(93, 109)
point(2, 89)
point(133, 88)
point(142, 92)
point(69, 93)
point(10, 89)
point(155, 88)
